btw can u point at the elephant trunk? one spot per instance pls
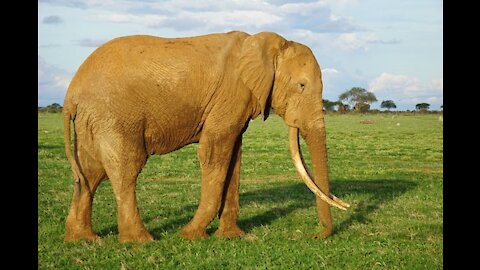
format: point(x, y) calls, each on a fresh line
point(317, 183)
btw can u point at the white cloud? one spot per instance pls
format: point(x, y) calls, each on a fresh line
point(322, 42)
point(303, 8)
point(222, 20)
point(288, 18)
point(86, 42)
point(186, 20)
point(225, 15)
point(405, 89)
point(360, 41)
point(329, 72)
point(350, 41)
point(88, 4)
point(52, 83)
point(61, 81)
point(329, 78)
point(385, 42)
point(389, 82)
point(148, 20)
point(341, 3)
point(68, 3)
point(437, 84)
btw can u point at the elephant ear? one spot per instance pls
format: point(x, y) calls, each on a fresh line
point(256, 66)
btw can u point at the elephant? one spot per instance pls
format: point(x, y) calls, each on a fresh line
point(140, 95)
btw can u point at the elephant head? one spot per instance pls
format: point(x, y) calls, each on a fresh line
point(285, 76)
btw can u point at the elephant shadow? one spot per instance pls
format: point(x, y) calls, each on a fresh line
point(50, 147)
point(379, 192)
point(298, 196)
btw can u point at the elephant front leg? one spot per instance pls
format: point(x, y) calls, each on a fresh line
point(215, 154)
point(230, 206)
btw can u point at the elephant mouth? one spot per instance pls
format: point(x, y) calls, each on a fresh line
point(307, 176)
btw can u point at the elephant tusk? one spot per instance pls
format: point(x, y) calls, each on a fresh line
point(305, 174)
point(336, 199)
point(333, 197)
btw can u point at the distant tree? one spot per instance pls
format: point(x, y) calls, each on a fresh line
point(388, 104)
point(359, 98)
point(329, 105)
point(423, 107)
point(55, 107)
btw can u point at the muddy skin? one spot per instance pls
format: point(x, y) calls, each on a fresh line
point(138, 96)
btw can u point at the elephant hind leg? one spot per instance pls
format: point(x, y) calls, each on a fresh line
point(79, 220)
point(123, 163)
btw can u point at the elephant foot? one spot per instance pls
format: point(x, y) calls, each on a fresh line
point(191, 233)
point(229, 232)
point(135, 236)
point(324, 234)
point(77, 235)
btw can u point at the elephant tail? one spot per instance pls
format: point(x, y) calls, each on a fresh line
point(68, 116)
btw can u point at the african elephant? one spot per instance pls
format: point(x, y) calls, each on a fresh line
point(137, 96)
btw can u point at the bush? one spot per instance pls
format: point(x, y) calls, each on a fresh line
point(53, 108)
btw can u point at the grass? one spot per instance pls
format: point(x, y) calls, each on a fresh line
point(391, 171)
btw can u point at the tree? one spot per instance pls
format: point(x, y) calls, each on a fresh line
point(55, 107)
point(359, 98)
point(422, 107)
point(328, 105)
point(388, 104)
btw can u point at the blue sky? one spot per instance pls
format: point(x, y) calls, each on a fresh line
point(392, 48)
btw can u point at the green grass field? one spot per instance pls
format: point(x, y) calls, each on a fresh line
point(391, 172)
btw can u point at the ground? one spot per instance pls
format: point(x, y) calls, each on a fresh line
point(389, 168)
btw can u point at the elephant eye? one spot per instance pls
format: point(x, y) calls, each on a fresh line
point(301, 86)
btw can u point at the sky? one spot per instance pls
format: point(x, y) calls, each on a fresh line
point(391, 48)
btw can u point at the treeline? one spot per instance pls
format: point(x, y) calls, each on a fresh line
point(52, 108)
point(358, 99)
